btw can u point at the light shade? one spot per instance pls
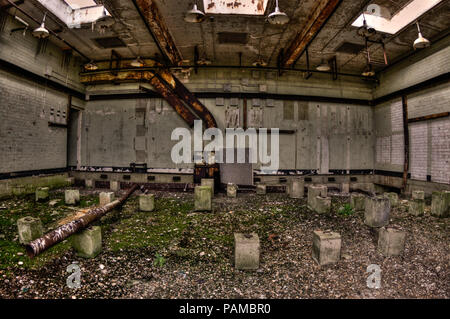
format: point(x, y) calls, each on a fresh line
point(203, 61)
point(259, 63)
point(137, 63)
point(278, 17)
point(194, 15)
point(323, 67)
point(91, 66)
point(368, 71)
point(421, 42)
point(41, 32)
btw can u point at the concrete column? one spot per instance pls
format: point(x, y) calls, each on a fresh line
point(326, 247)
point(106, 198)
point(296, 188)
point(393, 198)
point(322, 205)
point(418, 195)
point(246, 251)
point(114, 186)
point(29, 229)
point(391, 241)
point(146, 202)
point(313, 192)
point(416, 207)
point(71, 196)
point(377, 211)
point(357, 201)
point(202, 198)
point(440, 204)
point(88, 243)
point(41, 194)
point(208, 182)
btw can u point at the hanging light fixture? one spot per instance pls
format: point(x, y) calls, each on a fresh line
point(421, 42)
point(194, 15)
point(41, 32)
point(368, 71)
point(278, 17)
point(323, 66)
point(137, 63)
point(91, 66)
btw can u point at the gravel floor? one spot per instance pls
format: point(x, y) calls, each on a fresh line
point(177, 253)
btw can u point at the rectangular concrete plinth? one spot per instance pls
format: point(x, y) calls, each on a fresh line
point(416, 207)
point(208, 182)
point(358, 201)
point(322, 205)
point(232, 190)
point(418, 195)
point(41, 193)
point(313, 192)
point(296, 188)
point(326, 247)
point(391, 242)
point(440, 204)
point(88, 243)
point(202, 198)
point(71, 196)
point(377, 211)
point(89, 183)
point(114, 186)
point(345, 188)
point(106, 198)
point(393, 198)
point(246, 251)
point(261, 189)
point(146, 202)
point(29, 229)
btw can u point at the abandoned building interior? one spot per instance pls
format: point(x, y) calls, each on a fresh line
point(354, 95)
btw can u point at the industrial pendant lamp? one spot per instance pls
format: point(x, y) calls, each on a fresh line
point(278, 17)
point(368, 71)
point(194, 15)
point(137, 63)
point(421, 42)
point(41, 32)
point(323, 66)
point(91, 66)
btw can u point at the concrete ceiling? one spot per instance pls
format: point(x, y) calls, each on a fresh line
point(263, 38)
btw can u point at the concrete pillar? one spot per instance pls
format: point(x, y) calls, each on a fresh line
point(246, 251)
point(70, 181)
point(391, 241)
point(88, 243)
point(114, 186)
point(377, 211)
point(208, 182)
point(357, 201)
point(418, 195)
point(416, 207)
point(106, 198)
point(71, 196)
point(296, 188)
point(146, 202)
point(440, 204)
point(322, 205)
point(232, 190)
point(202, 198)
point(326, 247)
point(313, 192)
point(393, 198)
point(89, 183)
point(345, 188)
point(29, 229)
point(41, 193)
point(261, 189)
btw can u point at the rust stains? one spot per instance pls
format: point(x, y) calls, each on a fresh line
point(260, 6)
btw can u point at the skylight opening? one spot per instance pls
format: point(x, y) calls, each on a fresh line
point(247, 7)
point(404, 17)
point(78, 4)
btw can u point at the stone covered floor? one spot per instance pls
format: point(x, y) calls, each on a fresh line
point(174, 252)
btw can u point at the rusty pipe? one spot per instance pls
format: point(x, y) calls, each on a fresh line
point(50, 239)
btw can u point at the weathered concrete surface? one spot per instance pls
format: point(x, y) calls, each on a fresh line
point(71, 196)
point(88, 243)
point(261, 189)
point(418, 195)
point(391, 241)
point(232, 190)
point(345, 188)
point(358, 201)
point(416, 207)
point(89, 183)
point(313, 192)
point(146, 202)
point(377, 211)
point(202, 198)
point(41, 193)
point(246, 251)
point(28, 185)
point(440, 204)
point(326, 247)
point(114, 186)
point(29, 229)
point(208, 182)
point(106, 198)
point(296, 188)
point(322, 205)
point(393, 198)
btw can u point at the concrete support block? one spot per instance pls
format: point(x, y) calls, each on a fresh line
point(89, 183)
point(106, 198)
point(416, 207)
point(440, 204)
point(313, 192)
point(358, 201)
point(232, 190)
point(261, 189)
point(322, 205)
point(41, 193)
point(114, 186)
point(146, 202)
point(377, 211)
point(418, 195)
point(208, 182)
point(88, 243)
point(345, 188)
point(202, 198)
point(326, 247)
point(393, 198)
point(70, 181)
point(246, 251)
point(71, 196)
point(29, 229)
point(296, 188)
point(391, 241)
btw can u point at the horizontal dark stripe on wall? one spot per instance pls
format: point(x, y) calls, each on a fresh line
point(47, 171)
point(390, 173)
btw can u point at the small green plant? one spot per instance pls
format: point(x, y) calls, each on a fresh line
point(346, 210)
point(159, 260)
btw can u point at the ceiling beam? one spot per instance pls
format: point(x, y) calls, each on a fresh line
point(158, 29)
point(322, 11)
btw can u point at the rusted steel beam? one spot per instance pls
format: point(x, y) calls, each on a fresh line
point(322, 11)
point(59, 234)
point(429, 117)
point(154, 21)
